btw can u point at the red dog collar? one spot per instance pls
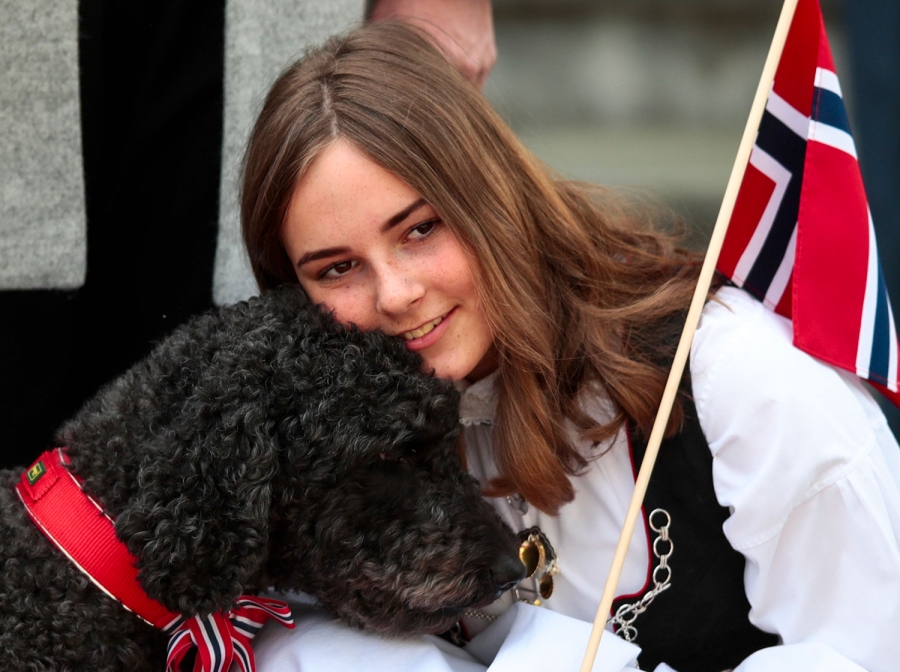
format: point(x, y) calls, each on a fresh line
point(78, 527)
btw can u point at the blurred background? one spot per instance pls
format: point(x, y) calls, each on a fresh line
point(648, 93)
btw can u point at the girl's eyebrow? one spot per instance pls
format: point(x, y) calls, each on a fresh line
point(403, 214)
point(387, 226)
point(321, 254)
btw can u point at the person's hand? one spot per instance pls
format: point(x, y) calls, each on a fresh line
point(462, 29)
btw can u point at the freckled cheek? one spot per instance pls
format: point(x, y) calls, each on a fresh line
point(454, 280)
point(352, 307)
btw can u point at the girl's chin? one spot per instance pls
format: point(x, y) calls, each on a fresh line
point(457, 366)
point(442, 372)
point(458, 373)
point(442, 369)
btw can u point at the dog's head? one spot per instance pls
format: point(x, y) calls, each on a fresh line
point(266, 445)
point(375, 515)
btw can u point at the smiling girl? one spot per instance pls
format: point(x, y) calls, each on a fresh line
point(378, 255)
point(384, 184)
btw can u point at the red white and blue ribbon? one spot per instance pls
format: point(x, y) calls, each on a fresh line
point(77, 525)
point(225, 638)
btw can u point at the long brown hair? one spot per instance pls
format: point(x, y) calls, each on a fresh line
point(575, 288)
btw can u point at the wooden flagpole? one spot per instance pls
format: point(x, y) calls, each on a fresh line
point(690, 326)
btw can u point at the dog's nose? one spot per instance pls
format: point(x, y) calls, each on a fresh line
point(506, 572)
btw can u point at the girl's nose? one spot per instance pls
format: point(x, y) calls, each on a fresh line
point(397, 289)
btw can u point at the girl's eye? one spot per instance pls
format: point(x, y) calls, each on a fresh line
point(424, 229)
point(338, 269)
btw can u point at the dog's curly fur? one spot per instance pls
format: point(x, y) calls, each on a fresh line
point(261, 445)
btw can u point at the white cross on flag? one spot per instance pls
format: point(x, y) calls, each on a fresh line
point(801, 237)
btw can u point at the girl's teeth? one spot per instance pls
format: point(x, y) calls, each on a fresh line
point(421, 331)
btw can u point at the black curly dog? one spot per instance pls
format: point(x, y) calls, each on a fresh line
point(262, 445)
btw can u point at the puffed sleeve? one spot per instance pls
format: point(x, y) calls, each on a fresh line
point(804, 460)
point(320, 643)
point(522, 638)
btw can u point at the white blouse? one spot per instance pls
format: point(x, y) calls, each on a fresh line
point(803, 459)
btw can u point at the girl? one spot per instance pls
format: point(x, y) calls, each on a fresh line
point(383, 184)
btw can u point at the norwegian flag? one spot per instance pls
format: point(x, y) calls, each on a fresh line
point(801, 237)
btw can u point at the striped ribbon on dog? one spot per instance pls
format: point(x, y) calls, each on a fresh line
point(222, 638)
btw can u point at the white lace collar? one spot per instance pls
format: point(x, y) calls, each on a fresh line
point(478, 401)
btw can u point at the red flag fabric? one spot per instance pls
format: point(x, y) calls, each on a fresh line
point(801, 237)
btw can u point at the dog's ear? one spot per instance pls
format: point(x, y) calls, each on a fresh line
point(199, 526)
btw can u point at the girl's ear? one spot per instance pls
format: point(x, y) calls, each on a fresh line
point(199, 525)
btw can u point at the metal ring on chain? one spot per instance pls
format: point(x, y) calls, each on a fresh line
point(656, 579)
point(664, 525)
point(626, 614)
point(666, 553)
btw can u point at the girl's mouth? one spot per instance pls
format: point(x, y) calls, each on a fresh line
point(424, 329)
point(428, 334)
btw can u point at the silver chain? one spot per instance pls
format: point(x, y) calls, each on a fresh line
point(626, 615)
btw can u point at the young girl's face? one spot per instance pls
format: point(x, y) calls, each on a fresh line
point(369, 247)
